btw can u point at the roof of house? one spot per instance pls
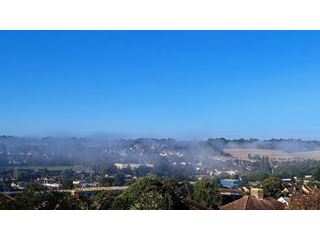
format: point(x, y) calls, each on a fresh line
point(194, 205)
point(4, 196)
point(253, 203)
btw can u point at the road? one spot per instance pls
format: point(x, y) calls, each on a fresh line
point(96, 189)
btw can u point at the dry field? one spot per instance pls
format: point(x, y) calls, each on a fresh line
point(315, 155)
point(273, 154)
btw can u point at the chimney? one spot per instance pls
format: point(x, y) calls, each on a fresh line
point(258, 193)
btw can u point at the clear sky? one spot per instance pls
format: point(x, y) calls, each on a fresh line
point(184, 84)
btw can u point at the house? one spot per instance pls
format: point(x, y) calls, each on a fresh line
point(256, 201)
point(84, 184)
point(19, 185)
point(52, 185)
point(193, 205)
point(284, 200)
point(255, 184)
point(246, 190)
point(132, 166)
point(286, 191)
point(230, 195)
point(306, 189)
point(89, 184)
point(287, 180)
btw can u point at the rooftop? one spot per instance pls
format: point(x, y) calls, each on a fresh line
point(253, 203)
point(256, 201)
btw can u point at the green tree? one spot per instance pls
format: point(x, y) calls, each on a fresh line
point(272, 187)
point(22, 175)
point(6, 203)
point(103, 200)
point(206, 192)
point(69, 202)
point(316, 173)
point(265, 165)
point(105, 181)
point(127, 199)
point(119, 179)
point(150, 201)
point(151, 193)
point(143, 170)
point(257, 176)
point(67, 179)
point(162, 168)
point(36, 197)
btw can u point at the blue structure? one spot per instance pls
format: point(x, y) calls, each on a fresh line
point(230, 183)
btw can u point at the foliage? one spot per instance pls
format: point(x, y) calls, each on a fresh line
point(257, 176)
point(6, 204)
point(119, 179)
point(142, 170)
point(162, 168)
point(316, 173)
point(36, 197)
point(206, 192)
point(106, 181)
point(272, 187)
point(150, 201)
point(167, 195)
point(295, 169)
point(103, 200)
point(265, 165)
point(22, 175)
point(67, 179)
point(68, 202)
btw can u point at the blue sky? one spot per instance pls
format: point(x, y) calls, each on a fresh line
point(184, 84)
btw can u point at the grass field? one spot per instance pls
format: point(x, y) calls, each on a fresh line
point(51, 168)
point(273, 154)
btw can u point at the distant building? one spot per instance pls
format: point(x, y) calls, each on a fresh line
point(230, 183)
point(84, 184)
point(132, 166)
point(52, 185)
point(255, 184)
point(19, 185)
point(286, 180)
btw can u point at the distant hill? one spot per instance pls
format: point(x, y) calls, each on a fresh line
point(83, 151)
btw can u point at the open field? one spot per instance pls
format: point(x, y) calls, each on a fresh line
point(315, 155)
point(51, 168)
point(273, 154)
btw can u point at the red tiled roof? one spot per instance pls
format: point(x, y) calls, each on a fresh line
point(253, 203)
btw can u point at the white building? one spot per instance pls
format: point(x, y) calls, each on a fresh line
point(132, 166)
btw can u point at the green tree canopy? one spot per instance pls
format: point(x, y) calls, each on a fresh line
point(316, 173)
point(206, 192)
point(272, 187)
point(67, 179)
point(103, 200)
point(151, 193)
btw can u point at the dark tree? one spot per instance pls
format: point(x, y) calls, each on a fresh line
point(272, 187)
point(67, 179)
